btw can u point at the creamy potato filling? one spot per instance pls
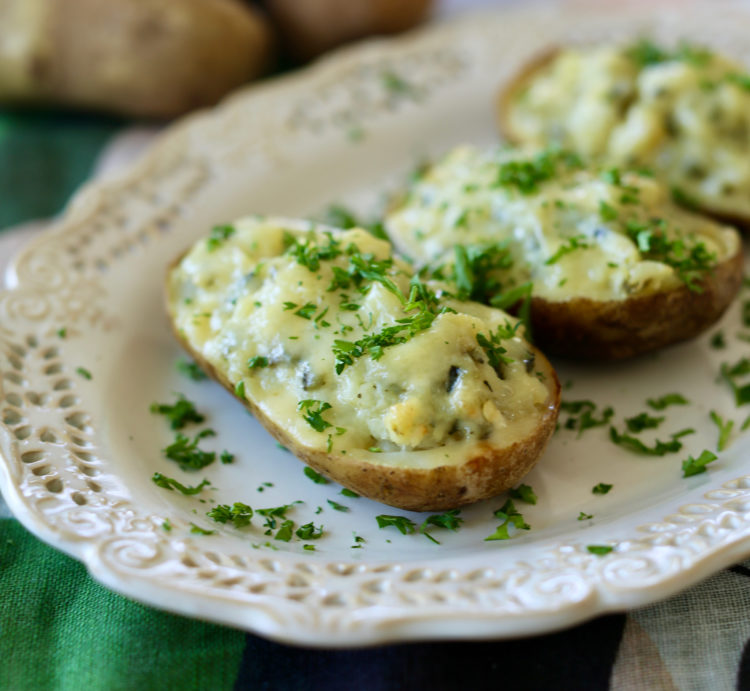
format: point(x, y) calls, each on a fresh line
point(685, 113)
point(337, 343)
point(542, 219)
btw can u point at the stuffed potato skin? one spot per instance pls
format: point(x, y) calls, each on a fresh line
point(681, 112)
point(613, 267)
point(419, 467)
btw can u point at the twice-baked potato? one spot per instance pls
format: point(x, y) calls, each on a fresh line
point(614, 268)
point(384, 383)
point(684, 113)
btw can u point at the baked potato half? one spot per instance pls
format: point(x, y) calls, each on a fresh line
point(382, 382)
point(682, 112)
point(612, 266)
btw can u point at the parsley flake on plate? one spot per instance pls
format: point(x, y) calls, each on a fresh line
point(509, 517)
point(179, 413)
point(191, 369)
point(238, 514)
point(696, 466)
point(525, 493)
point(171, 484)
point(315, 476)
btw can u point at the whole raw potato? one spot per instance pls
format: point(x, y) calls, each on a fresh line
point(152, 58)
point(310, 27)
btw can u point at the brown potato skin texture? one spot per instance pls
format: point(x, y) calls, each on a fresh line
point(310, 27)
point(489, 471)
point(507, 96)
point(144, 58)
point(587, 329)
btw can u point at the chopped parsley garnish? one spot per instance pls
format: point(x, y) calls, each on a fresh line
point(585, 409)
point(187, 455)
point(226, 458)
point(512, 297)
point(312, 412)
point(341, 217)
point(256, 362)
point(397, 84)
point(309, 253)
point(171, 484)
point(316, 477)
point(309, 548)
point(309, 531)
point(599, 550)
point(667, 400)
point(725, 429)
point(179, 414)
point(450, 520)
point(577, 242)
point(307, 310)
point(474, 270)
point(526, 175)
point(643, 421)
point(718, 341)
point(272, 513)
point(612, 176)
point(218, 235)
point(83, 372)
point(166, 525)
point(338, 507)
point(191, 369)
point(696, 466)
point(197, 530)
point(348, 493)
point(690, 263)
point(684, 199)
point(285, 531)
point(239, 389)
point(660, 448)
point(731, 373)
point(238, 514)
point(524, 493)
point(645, 53)
point(420, 299)
point(509, 517)
point(493, 348)
point(607, 212)
point(601, 488)
point(584, 516)
point(403, 524)
point(62, 332)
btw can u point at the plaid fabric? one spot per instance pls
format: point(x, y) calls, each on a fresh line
point(60, 630)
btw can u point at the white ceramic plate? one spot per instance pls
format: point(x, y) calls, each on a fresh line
point(79, 453)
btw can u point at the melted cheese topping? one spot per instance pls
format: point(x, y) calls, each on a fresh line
point(572, 232)
point(686, 115)
point(270, 307)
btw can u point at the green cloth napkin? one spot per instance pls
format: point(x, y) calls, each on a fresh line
point(44, 157)
point(60, 630)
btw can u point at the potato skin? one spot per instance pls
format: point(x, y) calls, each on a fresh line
point(311, 27)
point(146, 58)
point(486, 473)
point(586, 329)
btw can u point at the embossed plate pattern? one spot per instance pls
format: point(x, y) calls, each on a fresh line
point(79, 453)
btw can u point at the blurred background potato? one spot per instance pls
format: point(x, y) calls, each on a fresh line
point(162, 58)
